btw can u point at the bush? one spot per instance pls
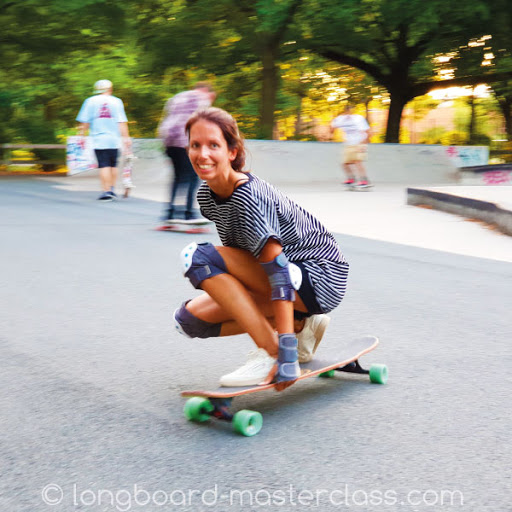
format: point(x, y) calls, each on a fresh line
point(432, 136)
point(480, 139)
point(453, 138)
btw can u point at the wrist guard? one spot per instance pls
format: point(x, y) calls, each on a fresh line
point(287, 361)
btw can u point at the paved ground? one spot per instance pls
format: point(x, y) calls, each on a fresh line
point(382, 214)
point(91, 370)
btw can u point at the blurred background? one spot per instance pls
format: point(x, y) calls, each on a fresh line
point(437, 72)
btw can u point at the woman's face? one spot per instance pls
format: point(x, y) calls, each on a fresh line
point(208, 151)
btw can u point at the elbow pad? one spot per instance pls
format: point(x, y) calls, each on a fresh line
point(284, 277)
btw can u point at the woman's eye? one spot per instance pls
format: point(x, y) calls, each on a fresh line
point(215, 145)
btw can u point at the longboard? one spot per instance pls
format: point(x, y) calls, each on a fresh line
point(127, 174)
point(182, 226)
point(205, 404)
point(353, 188)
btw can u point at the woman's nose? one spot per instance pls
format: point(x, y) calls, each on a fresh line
point(204, 151)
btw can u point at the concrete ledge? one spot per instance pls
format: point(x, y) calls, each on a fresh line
point(492, 174)
point(486, 211)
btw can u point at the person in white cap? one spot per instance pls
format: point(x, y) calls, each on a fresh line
point(356, 137)
point(103, 116)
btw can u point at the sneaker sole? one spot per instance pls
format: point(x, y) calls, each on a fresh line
point(241, 384)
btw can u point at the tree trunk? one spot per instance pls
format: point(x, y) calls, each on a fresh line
point(505, 106)
point(367, 109)
point(298, 121)
point(398, 102)
point(472, 118)
point(268, 91)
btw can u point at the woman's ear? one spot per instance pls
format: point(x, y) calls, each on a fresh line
point(232, 154)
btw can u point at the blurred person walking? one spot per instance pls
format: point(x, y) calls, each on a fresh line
point(171, 130)
point(103, 116)
point(356, 136)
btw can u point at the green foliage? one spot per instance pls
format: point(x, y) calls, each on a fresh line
point(40, 44)
point(453, 138)
point(433, 135)
point(480, 139)
point(394, 41)
point(290, 61)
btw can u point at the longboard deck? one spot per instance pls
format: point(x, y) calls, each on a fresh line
point(323, 363)
point(186, 227)
point(352, 188)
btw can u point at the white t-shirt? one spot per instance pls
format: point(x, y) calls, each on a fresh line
point(103, 112)
point(354, 128)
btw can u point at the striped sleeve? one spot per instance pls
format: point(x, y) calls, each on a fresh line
point(257, 220)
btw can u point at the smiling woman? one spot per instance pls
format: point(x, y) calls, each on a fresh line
point(216, 150)
point(278, 268)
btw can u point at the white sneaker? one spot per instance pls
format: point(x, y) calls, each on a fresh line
point(310, 336)
point(252, 373)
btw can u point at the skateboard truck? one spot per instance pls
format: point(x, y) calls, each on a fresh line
point(354, 367)
point(221, 408)
point(377, 373)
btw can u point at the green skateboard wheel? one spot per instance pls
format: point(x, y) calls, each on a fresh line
point(379, 373)
point(327, 375)
point(198, 409)
point(247, 423)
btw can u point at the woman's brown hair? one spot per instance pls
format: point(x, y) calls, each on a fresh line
point(229, 129)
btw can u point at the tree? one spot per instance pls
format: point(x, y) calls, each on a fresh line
point(394, 41)
point(499, 51)
point(237, 33)
point(316, 90)
point(39, 42)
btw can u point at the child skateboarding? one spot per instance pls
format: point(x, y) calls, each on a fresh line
point(276, 274)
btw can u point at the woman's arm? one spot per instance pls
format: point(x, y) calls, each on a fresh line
point(276, 265)
point(283, 309)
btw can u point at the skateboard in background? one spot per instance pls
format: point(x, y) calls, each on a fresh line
point(194, 226)
point(356, 187)
point(127, 174)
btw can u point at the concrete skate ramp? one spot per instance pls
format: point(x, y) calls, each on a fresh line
point(306, 163)
point(293, 162)
point(309, 162)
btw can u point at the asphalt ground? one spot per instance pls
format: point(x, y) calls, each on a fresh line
point(379, 214)
point(91, 374)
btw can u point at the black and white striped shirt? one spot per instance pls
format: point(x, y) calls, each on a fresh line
point(257, 211)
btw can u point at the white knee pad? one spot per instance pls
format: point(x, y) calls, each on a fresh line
point(295, 275)
point(201, 261)
point(186, 256)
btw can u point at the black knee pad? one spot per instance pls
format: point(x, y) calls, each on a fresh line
point(192, 327)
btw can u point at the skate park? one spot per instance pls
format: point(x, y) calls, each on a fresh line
point(92, 369)
point(433, 177)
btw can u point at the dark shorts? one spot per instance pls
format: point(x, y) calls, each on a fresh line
point(106, 157)
point(323, 284)
point(307, 293)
